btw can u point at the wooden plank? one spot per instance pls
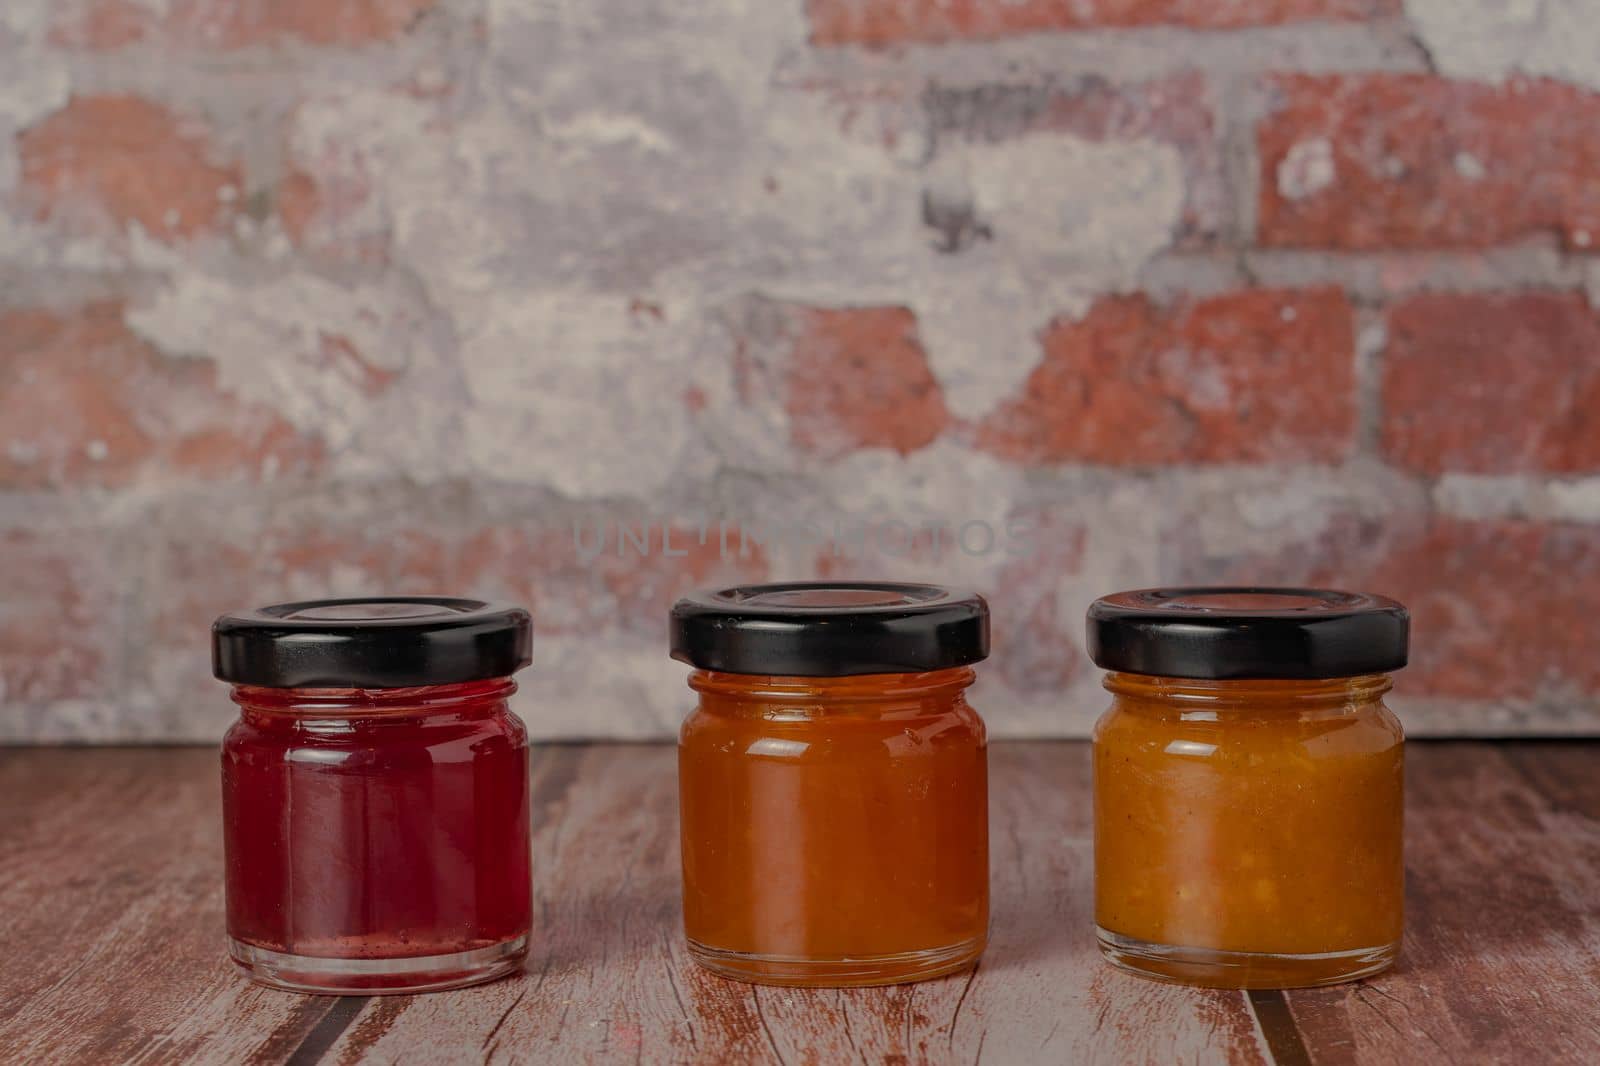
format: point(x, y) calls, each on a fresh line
point(1501, 961)
point(111, 911)
point(1565, 773)
point(111, 915)
point(609, 979)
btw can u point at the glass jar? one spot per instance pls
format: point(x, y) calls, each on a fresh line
point(1248, 785)
point(833, 783)
point(375, 794)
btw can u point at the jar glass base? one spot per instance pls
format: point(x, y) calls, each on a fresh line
point(1211, 968)
point(900, 968)
point(378, 977)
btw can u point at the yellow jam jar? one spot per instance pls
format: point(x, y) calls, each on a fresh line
point(1248, 785)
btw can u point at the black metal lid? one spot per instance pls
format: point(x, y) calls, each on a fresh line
point(1245, 632)
point(382, 642)
point(830, 629)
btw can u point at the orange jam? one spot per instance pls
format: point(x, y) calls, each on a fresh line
point(1248, 829)
point(834, 824)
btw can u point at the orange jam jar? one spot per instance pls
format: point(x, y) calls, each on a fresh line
point(1248, 784)
point(833, 783)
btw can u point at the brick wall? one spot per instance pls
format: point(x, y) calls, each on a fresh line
point(319, 297)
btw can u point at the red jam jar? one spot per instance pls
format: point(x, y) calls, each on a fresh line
point(833, 783)
point(375, 794)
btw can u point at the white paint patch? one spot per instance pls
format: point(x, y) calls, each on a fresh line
point(1577, 500)
point(1492, 39)
point(1497, 496)
point(29, 94)
point(348, 144)
point(24, 20)
point(1242, 512)
point(285, 343)
point(939, 481)
point(600, 129)
point(1470, 166)
point(570, 390)
point(635, 693)
point(35, 82)
point(1071, 219)
point(1306, 169)
point(1485, 496)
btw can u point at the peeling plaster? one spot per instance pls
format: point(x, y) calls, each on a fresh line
point(315, 352)
point(36, 82)
point(713, 184)
point(569, 390)
point(1306, 169)
point(24, 19)
point(1493, 39)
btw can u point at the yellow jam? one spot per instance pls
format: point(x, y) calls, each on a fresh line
point(1248, 833)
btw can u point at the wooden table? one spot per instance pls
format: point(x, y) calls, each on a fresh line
point(111, 924)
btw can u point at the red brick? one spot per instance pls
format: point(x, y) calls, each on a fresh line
point(105, 24)
point(85, 401)
point(859, 378)
point(131, 159)
point(1493, 384)
point(889, 22)
point(57, 617)
point(299, 204)
point(1259, 376)
point(644, 587)
point(1415, 161)
point(209, 564)
point(1500, 609)
point(1035, 635)
point(848, 378)
point(608, 586)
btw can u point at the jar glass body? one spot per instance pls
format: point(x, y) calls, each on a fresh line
point(1248, 833)
point(834, 830)
point(377, 840)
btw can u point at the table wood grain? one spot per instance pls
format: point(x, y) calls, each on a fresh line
point(111, 924)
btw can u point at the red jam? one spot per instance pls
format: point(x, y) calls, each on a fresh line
point(376, 838)
point(384, 824)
